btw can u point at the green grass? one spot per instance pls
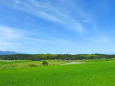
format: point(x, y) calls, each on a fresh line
point(92, 73)
point(25, 63)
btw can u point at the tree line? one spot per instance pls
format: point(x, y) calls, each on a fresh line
point(37, 57)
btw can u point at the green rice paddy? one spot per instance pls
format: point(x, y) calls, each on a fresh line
point(90, 73)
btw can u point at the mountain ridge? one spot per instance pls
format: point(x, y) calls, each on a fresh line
point(8, 52)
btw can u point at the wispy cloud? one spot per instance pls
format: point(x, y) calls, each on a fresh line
point(7, 35)
point(10, 33)
point(52, 13)
point(16, 39)
point(57, 13)
point(46, 23)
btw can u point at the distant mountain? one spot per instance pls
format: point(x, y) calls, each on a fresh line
point(8, 52)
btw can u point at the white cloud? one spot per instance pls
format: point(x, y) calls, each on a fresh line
point(49, 12)
point(8, 37)
point(14, 39)
point(50, 17)
point(57, 13)
point(8, 33)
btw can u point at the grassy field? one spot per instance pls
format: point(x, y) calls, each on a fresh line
point(6, 64)
point(91, 73)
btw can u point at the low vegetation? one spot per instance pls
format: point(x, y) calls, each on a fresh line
point(57, 70)
point(6, 64)
point(45, 63)
point(94, 72)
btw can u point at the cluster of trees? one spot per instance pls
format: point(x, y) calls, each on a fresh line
point(36, 57)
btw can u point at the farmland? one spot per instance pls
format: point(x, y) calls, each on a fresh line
point(97, 72)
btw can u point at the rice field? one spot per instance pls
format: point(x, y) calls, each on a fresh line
point(89, 73)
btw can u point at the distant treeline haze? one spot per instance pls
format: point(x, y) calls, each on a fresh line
point(36, 57)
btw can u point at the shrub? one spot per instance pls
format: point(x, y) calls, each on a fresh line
point(45, 63)
point(32, 65)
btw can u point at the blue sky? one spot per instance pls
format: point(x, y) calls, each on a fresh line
point(57, 26)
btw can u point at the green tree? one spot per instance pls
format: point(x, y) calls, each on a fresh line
point(45, 63)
